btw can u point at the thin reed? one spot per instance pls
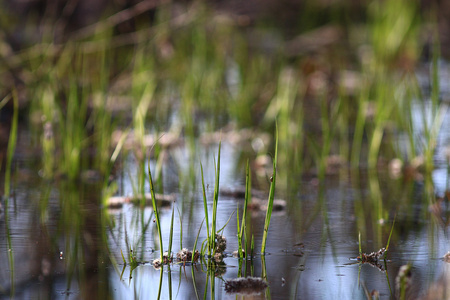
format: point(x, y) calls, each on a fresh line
point(156, 212)
point(271, 197)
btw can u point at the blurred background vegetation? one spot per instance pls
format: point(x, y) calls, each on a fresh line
point(326, 70)
point(353, 86)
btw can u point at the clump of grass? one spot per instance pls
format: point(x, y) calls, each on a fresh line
point(375, 258)
point(211, 231)
point(132, 261)
point(271, 197)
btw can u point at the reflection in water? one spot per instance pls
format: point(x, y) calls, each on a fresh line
point(60, 249)
point(65, 244)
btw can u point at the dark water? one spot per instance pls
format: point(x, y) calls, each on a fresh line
point(58, 241)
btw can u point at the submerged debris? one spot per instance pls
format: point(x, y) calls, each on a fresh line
point(119, 201)
point(221, 243)
point(447, 257)
point(374, 258)
point(236, 253)
point(157, 263)
point(245, 285)
point(184, 255)
point(261, 204)
point(218, 257)
point(166, 260)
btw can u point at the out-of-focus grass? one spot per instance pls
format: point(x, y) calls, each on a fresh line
point(171, 76)
point(196, 70)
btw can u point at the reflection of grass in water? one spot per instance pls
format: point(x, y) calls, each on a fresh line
point(9, 158)
point(84, 76)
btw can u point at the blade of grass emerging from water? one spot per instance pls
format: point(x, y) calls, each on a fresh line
point(271, 196)
point(205, 206)
point(181, 229)
point(155, 209)
point(196, 240)
point(242, 230)
point(390, 235)
point(171, 233)
point(212, 237)
point(359, 243)
point(248, 196)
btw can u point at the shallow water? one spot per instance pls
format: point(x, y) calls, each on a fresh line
point(63, 250)
point(58, 240)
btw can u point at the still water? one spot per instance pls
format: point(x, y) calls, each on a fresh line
point(59, 240)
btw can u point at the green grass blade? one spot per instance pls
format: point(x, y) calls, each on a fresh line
point(238, 231)
point(359, 244)
point(248, 195)
point(252, 247)
point(212, 238)
point(271, 197)
point(196, 240)
point(155, 210)
point(123, 258)
point(181, 229)
point(11, 146)
point(171, 233)
point(205, 205)
point(390, 235)
point(226, 223)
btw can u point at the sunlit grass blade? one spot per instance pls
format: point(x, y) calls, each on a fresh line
point(390, 235)
point(205, 206)
point(238, 232)
point(271, 197)
point(155, 210)
point(196, 240)
point(242, 232)
point(226, 223)
point(181, 229)
point(212, 237)
point(123, 257)
point(252, 247)
point(359, 244)
point(171, 233)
